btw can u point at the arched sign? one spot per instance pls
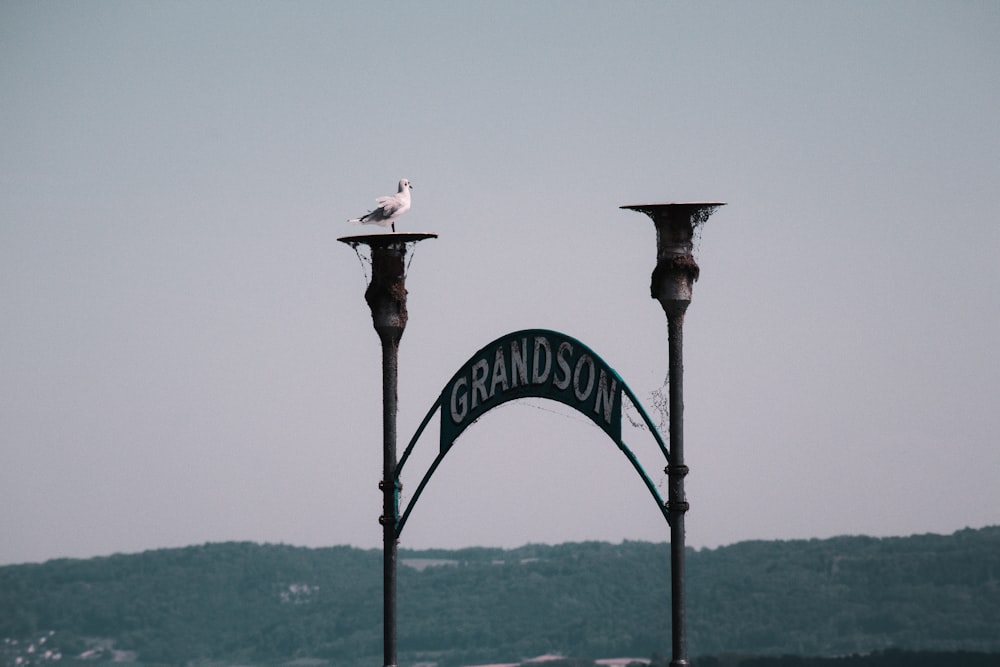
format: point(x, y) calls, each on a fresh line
point(538, 363)
point(531, 363)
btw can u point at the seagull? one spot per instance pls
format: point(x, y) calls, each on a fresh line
point(389, 208)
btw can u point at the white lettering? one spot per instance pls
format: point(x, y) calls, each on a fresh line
point(563, 365)
point(479, 381)
point(552, 367)
point(460, 408)
point(581, 395)
point(539, 377)
point(605, 395)
point(518, 362)
point(499, 373)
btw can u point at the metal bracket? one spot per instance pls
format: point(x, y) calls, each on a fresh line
point(677, 506)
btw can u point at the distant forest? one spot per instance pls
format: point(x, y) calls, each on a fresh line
point(752, 604)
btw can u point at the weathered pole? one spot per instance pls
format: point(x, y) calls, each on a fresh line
point(386, 297)
point(671, 284)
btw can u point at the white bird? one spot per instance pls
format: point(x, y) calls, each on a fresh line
point(389, 208)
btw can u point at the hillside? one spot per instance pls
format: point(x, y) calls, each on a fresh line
point(254, 604)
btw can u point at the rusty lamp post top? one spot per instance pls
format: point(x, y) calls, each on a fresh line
point(386, 294)
point(676, 269)
point(676, 222)
point(384, 240)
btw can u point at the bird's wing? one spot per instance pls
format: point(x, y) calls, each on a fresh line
point(374, 216)
point(391, 205)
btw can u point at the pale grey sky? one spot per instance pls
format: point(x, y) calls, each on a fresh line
point(186, 354)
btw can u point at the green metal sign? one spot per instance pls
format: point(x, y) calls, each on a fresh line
point(534, 362)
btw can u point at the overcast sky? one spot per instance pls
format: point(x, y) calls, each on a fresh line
point(186, 355)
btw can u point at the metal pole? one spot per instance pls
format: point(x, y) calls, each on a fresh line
point(390, 350)
point(386, 296)
point(671, 284)
point(677, 504)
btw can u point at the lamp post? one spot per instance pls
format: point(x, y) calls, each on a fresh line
point(386, 297)
point(671, 284)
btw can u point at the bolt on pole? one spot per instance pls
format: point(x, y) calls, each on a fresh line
point(386, 297)
point(671, 284)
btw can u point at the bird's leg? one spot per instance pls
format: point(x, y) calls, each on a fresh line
point(393, 227)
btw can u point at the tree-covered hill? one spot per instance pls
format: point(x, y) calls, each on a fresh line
point(248, 603)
